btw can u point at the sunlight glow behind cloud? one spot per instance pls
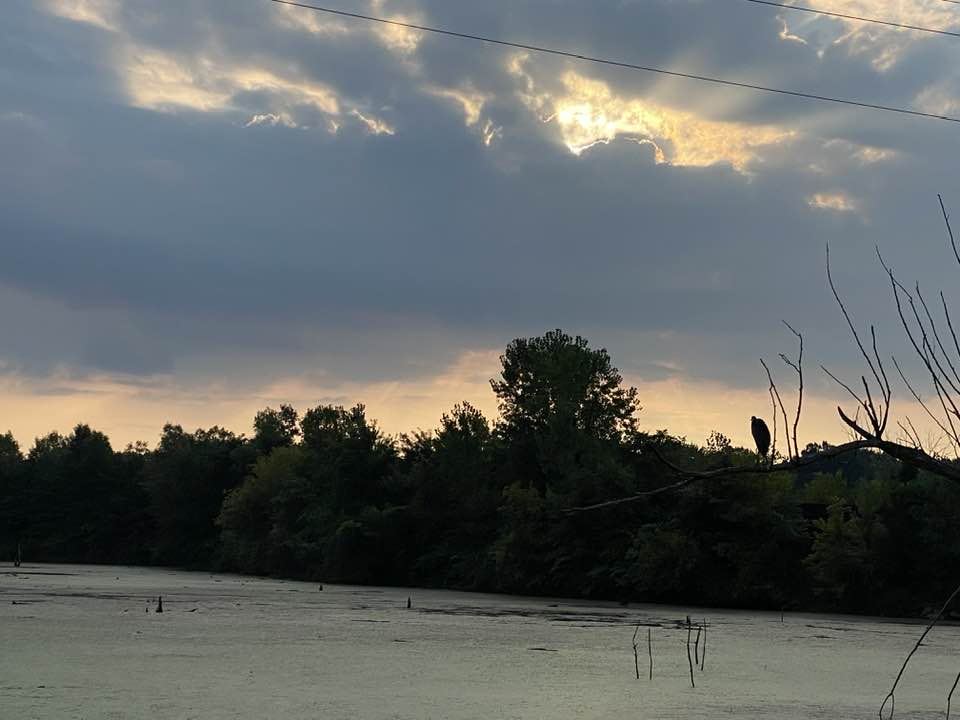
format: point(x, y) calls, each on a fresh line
point(159, 81)
point(99, 13)
point(836, 201)
point(589, 113)
point(885, 46)
point(460, 187)
point(470, 100)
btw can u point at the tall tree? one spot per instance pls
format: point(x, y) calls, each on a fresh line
point(187, 477)
point(12, 496)
point(456, 494)
point(275, 428)
point(556, 379)
point(567, 426)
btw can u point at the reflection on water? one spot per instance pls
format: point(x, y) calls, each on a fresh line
point(85, 642)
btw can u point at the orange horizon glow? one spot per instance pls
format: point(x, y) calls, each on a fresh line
point(129, 411)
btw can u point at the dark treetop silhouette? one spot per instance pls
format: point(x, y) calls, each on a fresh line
point(474, 505)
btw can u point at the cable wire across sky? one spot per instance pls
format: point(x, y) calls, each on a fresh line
point(622, 64)
point(858, 18)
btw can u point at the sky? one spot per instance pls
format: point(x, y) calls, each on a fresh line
point(211, 206)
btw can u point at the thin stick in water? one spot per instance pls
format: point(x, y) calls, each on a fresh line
point(636, 659)
point(696, 647)
point(650, 651)
point(703, 655)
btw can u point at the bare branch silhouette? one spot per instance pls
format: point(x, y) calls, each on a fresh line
point(783, 410)
point(798, 368)
point(891, 696)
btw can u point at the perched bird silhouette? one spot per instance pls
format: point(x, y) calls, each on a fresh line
point(761, 435)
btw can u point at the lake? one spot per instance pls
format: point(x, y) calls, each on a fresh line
point(85, 642)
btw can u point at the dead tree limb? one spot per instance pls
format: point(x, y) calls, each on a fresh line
point(920, 401)
point(878, 377)
point(783, 411)
point(908, 455)
point(910, 434)
point(798, 368)
point(773, 412)
point(891, 696)
point(688, 477)
point(946, 220)
point(950, 695)
point(924, 349)
point(952, 376)
point(875, 399)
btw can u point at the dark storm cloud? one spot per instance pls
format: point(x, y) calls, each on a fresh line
point(206, 237)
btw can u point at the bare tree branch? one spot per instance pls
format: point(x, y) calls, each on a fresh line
point(908, 436)
point(885, 388)
point(850, 324)
point(946, 219)
point(798, 368)
point(773, 410)
point(916, 434)
point(891, 695)
point(919, 400)
point(925, 352)
point(688, 477)
point(846, 387)
point(936, 336)
point(909, 455)
point(773, 389)
point(946, 313)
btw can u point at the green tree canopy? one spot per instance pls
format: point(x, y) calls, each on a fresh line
point(275, 428)
point(558, 380)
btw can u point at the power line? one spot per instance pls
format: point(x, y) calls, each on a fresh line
point(620, 64)
point(859, 18)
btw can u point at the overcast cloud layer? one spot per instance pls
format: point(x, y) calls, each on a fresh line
point(209, 205)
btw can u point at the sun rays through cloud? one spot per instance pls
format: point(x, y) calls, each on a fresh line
point(271, 192)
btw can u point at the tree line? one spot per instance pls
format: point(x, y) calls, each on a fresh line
point(481, 505)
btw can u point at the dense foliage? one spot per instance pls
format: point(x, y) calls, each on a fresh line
point(478, 506)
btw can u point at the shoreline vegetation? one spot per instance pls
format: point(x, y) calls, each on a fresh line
point(479, 505)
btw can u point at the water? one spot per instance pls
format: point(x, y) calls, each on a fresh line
point(76, 642)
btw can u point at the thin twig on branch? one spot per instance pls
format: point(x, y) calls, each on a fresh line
point(925, 351)
point(783, 411)
point(688, 477)
point(920, 401)
point(877, 417)
point(950, 696)
point(946, 314)
point(911, 456)
point(946, 219)
point(891, 696)
point(853, 329)
point(798, 368)
point(943, 351)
